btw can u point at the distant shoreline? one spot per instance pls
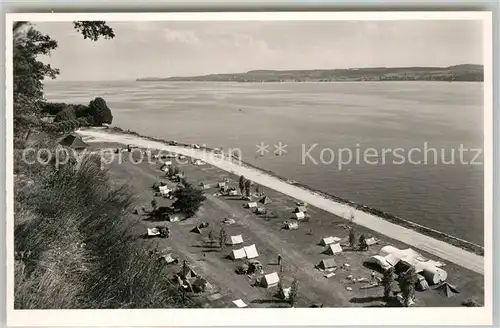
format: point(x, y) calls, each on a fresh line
point(457, 73)
point(429, 232)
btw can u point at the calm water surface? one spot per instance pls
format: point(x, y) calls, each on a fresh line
point(353, 115)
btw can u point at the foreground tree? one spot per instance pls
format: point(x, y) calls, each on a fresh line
point(29, 72)
point(154, 204)
point(241, 184)
point(294, 292)
point(352, 238)
point(387, 282)
point(407, 285)
point(222, 238)
point(248, 185)
point(188, 199)
point(100, 112)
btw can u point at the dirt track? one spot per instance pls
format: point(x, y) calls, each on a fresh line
point(433, 246)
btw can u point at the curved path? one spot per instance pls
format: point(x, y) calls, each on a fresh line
point(433, 246)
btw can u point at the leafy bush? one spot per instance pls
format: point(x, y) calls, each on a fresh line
point(65, 114)
point(100, 111)
point(188, 199)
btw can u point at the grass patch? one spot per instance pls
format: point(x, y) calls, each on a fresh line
point(72, 247)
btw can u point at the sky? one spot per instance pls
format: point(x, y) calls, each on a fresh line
point(164, 49)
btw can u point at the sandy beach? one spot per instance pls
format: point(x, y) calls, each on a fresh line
point(425, 243)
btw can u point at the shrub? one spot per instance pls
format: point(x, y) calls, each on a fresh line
point(74, 251)
point(189, 199)
point(471, 303)
point(100, 111)
point(66, 114)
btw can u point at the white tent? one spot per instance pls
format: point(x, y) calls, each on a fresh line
point(392, 259)
point(233, 193)
point(239, 303)
point(252, 205)
point(381, 261)
point(432, 274)
point(153, 231)
point(238, 253)
point(270, 280)
point(299, 215)
point(286, 292)
point(291, 225)
point(428, 268)
point(164, 190)
point(329, 240)
point(386, 250)
point(334, 249)
point(174, 218)
point(251, 251)
point(235, 240)
point(327, 264)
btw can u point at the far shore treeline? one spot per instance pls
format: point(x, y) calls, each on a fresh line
point(465, 72)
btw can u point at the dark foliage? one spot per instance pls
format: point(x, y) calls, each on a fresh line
point(188, 199)
point(100, 111)
point(94, 29)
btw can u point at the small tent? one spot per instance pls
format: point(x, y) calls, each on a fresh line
point(392, 259)
point(447, 290)
point(238, 254)
point(235, 240)
point(196, 230)
point(291, 225)
point(333, 249)
point(260, 210)
point(173, 218)
point(169, 258)
point(164, 190)
point(187, 273)
point(434, 275)
point(251, 251)
point(327, 264)
point(239, 303)
point(205, 185)
point(329, 240)
point(233, 193)
point(299, 215)
point(265, 200)
point(251, 205)
point(73, 141)
point(380, 261)
point(270, 280)
point(153, 232)
point(299, 209)
point(221, 185)
point(371, 241)
point(422, 283)
point(200, 285)
point(285, 293)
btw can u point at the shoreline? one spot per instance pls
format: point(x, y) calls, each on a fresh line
point(428, 239)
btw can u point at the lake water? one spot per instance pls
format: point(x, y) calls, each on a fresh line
point(353, 115)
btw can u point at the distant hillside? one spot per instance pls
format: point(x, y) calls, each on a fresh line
point(466, 72)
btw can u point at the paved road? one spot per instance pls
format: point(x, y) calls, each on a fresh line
point(433, 246)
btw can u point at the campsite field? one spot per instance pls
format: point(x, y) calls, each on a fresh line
point(299, 248)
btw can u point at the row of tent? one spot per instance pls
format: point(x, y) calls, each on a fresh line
point(248, 252)
point(264, 200)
